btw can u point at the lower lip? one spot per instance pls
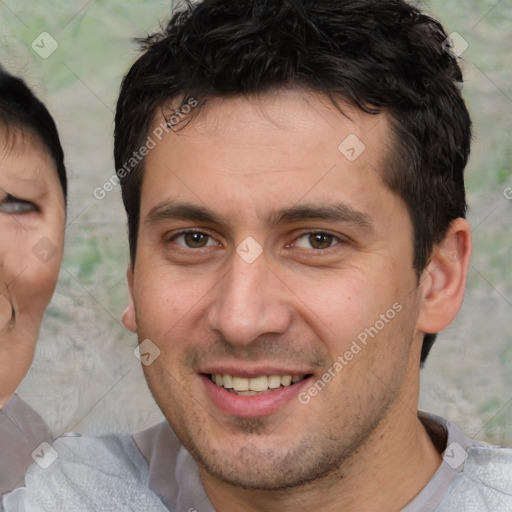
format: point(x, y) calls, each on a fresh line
point(251, 406)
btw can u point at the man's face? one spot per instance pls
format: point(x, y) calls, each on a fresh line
point(265, 255)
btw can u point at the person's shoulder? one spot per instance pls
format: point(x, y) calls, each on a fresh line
point(19, 417)
point(22, 431)
point(485, 481)
point(490, 466)
point(474, 475)
point(173, 473)
point(154, 440)
point(87, 473)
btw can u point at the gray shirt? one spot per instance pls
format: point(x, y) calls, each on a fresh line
point(152, 471)
point(474, 476)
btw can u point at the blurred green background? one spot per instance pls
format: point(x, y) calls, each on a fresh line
point(85, 376)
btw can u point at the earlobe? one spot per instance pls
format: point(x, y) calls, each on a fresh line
point(444, 279)
point(129, 318)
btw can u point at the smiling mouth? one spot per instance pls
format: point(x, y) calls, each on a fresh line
point(261, 385)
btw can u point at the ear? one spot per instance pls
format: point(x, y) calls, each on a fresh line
point(443, 282)
point(129, 318)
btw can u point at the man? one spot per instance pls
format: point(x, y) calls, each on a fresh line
point(293, 177)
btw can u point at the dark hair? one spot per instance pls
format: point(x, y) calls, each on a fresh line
point(377, 55)
point(20, 109)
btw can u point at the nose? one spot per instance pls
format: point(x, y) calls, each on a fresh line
point(250, 301)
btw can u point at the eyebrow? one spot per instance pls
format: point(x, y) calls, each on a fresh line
point(171, 211)
point(338, 212)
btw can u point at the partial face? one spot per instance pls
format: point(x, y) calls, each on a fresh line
point(32, 219)
point(274, 274)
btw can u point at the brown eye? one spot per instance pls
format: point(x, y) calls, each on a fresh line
point(317, 241)
point(320, 240)
point(193, 240)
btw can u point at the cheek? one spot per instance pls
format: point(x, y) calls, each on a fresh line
point(34, 288)
point(163, 302)
point(30, 267)
point(343, 308)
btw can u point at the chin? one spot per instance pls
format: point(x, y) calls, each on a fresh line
point(254, 467)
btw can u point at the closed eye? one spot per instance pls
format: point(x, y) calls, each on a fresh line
point(13, 205)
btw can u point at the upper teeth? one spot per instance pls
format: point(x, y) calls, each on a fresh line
point(261, 383)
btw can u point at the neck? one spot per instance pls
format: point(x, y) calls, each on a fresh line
point(384, 474)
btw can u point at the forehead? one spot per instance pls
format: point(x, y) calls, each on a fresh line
point(267, 151)
point(287, 110)
point(24, 157)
